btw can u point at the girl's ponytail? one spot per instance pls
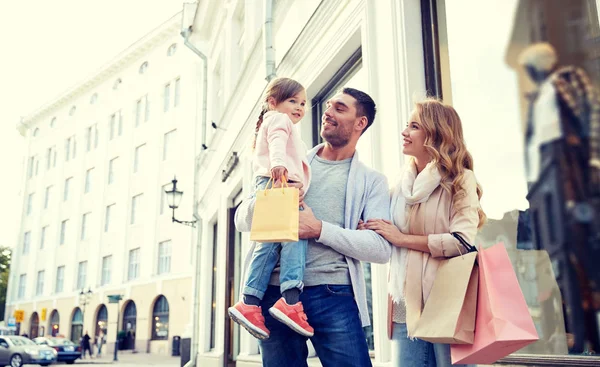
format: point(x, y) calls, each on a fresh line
point(258, 123)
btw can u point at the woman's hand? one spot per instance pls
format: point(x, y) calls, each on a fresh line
point(386, 229)
point(361, 225)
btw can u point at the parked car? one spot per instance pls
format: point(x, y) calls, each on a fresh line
point(16, 351)
point(67, 350)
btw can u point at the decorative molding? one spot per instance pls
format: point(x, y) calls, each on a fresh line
point(168, 29)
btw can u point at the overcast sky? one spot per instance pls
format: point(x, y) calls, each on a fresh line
point(47, 47)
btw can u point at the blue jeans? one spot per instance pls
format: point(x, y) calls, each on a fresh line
point(418, 353)
point(339, 338)
point(291, 257)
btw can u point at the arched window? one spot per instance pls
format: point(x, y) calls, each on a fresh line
point(144, 67)
point(93, 98)
point(129, 324)
point(34, 325)
point(72, 111)
point(36, 132)
point(53, 122)
point(172, 49)
point(76, 325)
point(160, 319)
point(101, 320)
point(54, 323)
point(117, 83)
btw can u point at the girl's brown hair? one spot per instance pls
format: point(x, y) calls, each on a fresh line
point(280, 89)
point(445, 143)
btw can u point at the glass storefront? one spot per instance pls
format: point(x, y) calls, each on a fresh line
point(524, 77)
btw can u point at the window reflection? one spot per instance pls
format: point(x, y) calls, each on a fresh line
point(538, 171)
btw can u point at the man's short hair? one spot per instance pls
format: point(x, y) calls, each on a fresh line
point(365, 106)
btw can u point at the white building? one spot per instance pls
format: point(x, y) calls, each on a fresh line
point(95, 215)
point(397, 51)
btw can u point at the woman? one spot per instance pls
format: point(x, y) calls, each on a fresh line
point(436, 195)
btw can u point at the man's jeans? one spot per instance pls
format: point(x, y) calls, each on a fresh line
point(291, 256)
point(339, 338)
point(418, 353)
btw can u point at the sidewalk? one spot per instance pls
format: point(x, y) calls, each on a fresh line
point(128, 359)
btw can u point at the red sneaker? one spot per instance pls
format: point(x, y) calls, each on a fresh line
point(293, 316)
point(251, 318)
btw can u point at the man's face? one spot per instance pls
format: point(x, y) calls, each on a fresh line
point(340, 124)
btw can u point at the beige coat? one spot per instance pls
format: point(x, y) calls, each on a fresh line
point(437, 218)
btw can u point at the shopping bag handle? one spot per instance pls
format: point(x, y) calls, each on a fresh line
point(283, 186)
point(470, 248)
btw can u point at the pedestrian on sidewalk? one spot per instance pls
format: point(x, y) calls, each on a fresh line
point(85, 345)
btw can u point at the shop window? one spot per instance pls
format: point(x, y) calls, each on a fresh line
point(160, 319)
point(525, 84)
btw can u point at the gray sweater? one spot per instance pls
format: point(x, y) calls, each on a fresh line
point(367, 197)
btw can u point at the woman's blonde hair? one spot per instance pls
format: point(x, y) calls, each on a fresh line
point(445, 143)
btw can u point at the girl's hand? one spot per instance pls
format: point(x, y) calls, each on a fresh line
point(278, 173)
point(386, 229)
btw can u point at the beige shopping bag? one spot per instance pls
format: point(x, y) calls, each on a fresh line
point(449, 313)
point(276, 216)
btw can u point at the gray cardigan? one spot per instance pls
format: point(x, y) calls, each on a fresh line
point(367, 197)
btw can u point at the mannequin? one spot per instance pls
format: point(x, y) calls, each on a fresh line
point(562, 160)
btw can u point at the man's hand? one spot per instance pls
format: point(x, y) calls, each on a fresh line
point(310, 226)
point(297, 185)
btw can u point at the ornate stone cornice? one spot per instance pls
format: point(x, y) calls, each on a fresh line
point(160, 34)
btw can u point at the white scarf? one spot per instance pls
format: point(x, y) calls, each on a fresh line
point(411, 189)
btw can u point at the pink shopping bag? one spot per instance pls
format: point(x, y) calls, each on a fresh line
point(503, 324)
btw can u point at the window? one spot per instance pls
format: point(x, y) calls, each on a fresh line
point(53, 122)
point(91, 137)
point(36, 132)
point(213, 313)
point(67, 186)
point(111, 170)
point(88, 180)
point(117, 84)
point(60, 279)
point(137, 158)
point(109, 209)
point(37, 165)
point(160, 319)
point(177, 92)
point(43, 237)
point(106, 269)
point(116, 125)
point(169, 145)
point(172, 49)
point(72, 111)
point(136, 203)
point(163, 197)
point(22, 285)
point(47, 197)
point(164, 257)
point(143, 67)
point(49, 155)
point(523, 209)
point(94, 98)
point(142, 106)
point(134, 264)
point(26, 242)
point(81, 275)
point(167, 97)
point(84, 223)
point(63, 231)
point(70, 148)
point(30, 166)
point(29, 203)
point(39, 287)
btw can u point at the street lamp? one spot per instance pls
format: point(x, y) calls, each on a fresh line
point(174, 198)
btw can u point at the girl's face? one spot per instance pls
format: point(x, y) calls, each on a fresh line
point(414, 138)
point(293, 106)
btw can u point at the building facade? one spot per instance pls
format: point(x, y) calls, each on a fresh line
point(398, 52)
point(95, 219)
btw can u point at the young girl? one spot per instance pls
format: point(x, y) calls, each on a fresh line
point(280, 154)
point(437, 195)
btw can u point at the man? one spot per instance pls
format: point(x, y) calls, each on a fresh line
point(343, 191)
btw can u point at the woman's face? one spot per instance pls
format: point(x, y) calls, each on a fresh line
point(414, 138)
